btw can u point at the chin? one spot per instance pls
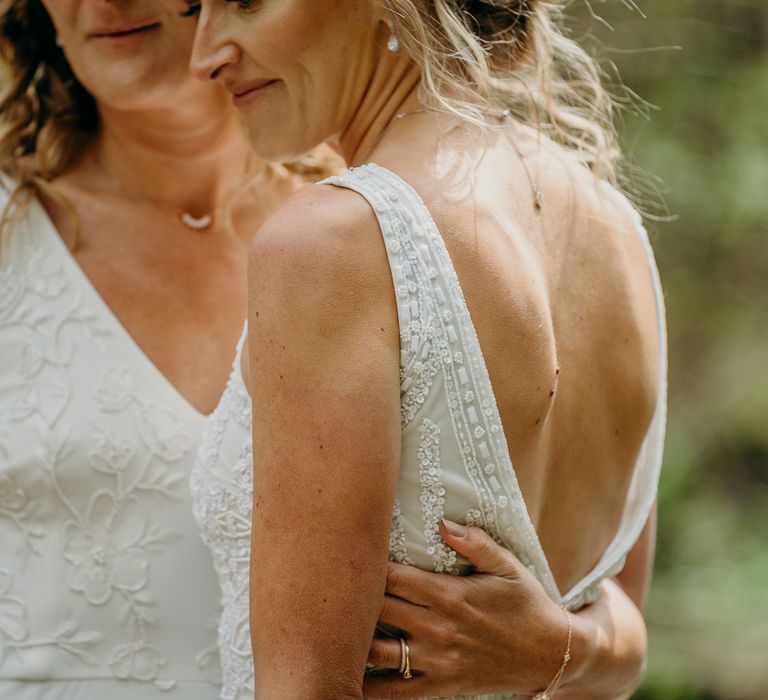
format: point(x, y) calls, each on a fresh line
point(141, 80)
point(186, 100)
point(280, 147)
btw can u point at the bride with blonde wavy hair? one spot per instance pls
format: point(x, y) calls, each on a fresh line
point(464, 332)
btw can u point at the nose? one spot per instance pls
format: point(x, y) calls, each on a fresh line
point(212, 50)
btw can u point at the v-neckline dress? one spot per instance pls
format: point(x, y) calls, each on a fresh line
point(106, 589)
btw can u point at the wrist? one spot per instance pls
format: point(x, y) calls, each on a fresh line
point(601, 667)
point(586, 652)
point(549, 692)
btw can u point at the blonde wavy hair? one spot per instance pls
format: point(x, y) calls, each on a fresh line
point(511, 55)
point(474, 54)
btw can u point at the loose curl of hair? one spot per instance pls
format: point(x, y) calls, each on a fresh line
point(511, 55)
point(43, 108)
point(46, 116)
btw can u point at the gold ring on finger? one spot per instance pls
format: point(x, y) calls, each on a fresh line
point(405, 660)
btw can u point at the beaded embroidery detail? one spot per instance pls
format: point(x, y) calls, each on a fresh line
point(454, 457)
point(398, 549)
point(440, 353)
point(222, 490)
point(432, 497)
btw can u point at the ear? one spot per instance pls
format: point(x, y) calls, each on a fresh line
point(385, 30)
point(382, 11)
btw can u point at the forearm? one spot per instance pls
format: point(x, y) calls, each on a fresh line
point(310, 627)
point(609, 648)
point(611, 639)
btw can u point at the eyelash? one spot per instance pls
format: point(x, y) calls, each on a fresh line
point(193, 8)
point(244, 4)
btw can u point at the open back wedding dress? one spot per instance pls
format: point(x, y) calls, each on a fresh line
point(454, 461)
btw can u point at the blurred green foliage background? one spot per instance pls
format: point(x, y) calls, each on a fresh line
point(703, 66)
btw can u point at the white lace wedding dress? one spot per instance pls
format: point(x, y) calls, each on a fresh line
point(106, 591)
point(454, 461)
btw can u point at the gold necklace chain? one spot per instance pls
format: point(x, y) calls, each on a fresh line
point(502, 116)
point(389, 125)
point(538, 198)
point(186, 218)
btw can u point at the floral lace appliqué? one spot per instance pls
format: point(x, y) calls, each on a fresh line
point(102, 476)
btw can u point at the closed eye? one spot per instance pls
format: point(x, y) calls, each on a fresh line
point(245, 4)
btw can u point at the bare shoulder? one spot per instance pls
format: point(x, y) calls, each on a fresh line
point(319, 229)
point(321, 247)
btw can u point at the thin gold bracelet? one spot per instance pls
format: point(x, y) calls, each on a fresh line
point(549, 692)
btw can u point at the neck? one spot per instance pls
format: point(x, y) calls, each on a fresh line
point(189, 158)
point(392, 91)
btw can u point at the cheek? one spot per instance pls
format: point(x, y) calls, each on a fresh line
point(177, 44)
point(317, 70)
point(278, 38)
point(62, 13)
point(319, 55)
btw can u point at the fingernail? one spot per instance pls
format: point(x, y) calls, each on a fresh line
point(454, 528)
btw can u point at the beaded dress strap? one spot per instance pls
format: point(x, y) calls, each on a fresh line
point(429, 294)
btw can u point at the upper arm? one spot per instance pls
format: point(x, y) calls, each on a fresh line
point(324, 377)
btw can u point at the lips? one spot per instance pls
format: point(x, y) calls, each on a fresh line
point(245, 93)
point(123, 30)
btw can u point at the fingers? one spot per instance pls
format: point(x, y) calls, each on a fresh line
point(385, 653)
point(412, 584)
point(402, 614)
point(396, 687)
point(483, 553)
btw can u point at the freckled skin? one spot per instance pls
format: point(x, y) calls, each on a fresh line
point(547, 288)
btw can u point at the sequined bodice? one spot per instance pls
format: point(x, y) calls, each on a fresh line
point(221, 487)
point(106, 590)
point(454, 458)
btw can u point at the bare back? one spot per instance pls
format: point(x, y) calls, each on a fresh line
point(563, 303)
